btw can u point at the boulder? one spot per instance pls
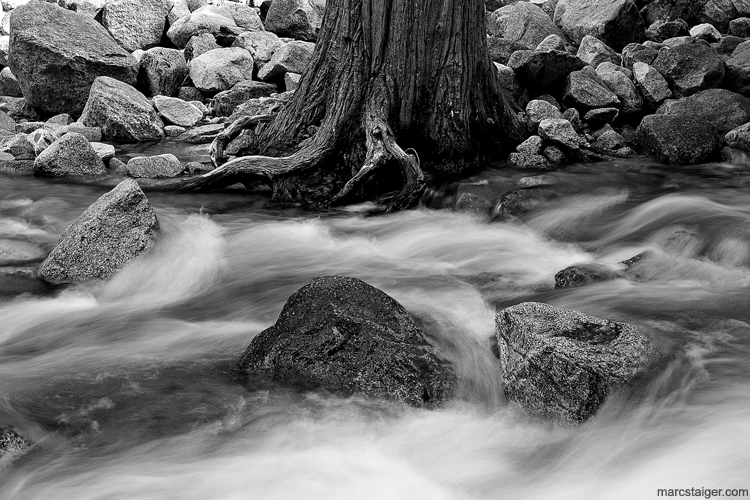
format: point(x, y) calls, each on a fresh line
point(201, 135)
point(501, 49)
point(91, 8)
point(723, 109)
point(261, 45)
point(623, 87)
point(154, 167)
point(19, 146)
point(552, 42)
point(299, 19)
point(522, 22)
point(109, 234)
point(662, 30)
point(600, 116)
point(531, 146)
point(652, 85)
point(162, 71)
point(690, 68)
point(9, 84)
point(583, 274)
point(737, 70)
point(742, 7)
point(661, 10)
point(11, 442)
point(40, 140)
point(740, 27)
point(224, 103)
point(560, 131)
point(538, 110)
point(636, 52)
point(705, 32)
point(92, 134)
point(207, 19)
point(221, 69)
point(70, 155)
point(104, 151)
point(739, 137)
point(609, 141)
point(562, 365)
point(345, 335)
point(528, 161)
point(509, 82)
point(122, 113)
point(177, 111)
point(244, 16)
point(614, 22)
point(543, 70)
point(594, 52)
point(135, 24)
point(200, 44)
point(6, 122)
point(584, 89)
point(293, 57)
point(57, 54)
point(718, 13)
point(678, 139)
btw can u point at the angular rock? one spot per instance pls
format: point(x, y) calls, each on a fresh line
point(190, 94)
point(740, 27)
point(554, 155)
point(705, 32)
point(501, 49)
point(559, 131)
point(200, 44)
point(92, 134)
point(11, 442)
point(738, 69)
point(224, 103)
point(154, 167)
point(723, 109)
point(678, 139)
point(4, 48)
point(635, 52)
point(104, 151)
point(652, 85)
point(509, 82)
point(530, 161)
point(574, 117)
point(135, 24)
point(6, 122)
point(261, 44)
point(9, 84)
point(345, 335)
point(594, 52)
point(718, 13)
point(631, 101)
point(585, 89)
point(562, 365)
point(109, 234)
point(40, 140)
point(739, 137)
point(244, 16)
point(19, 147)
point(663, 30)
point(291, 81)
point(552, 42)
point(531, 146)
point(70, 155)
point(207, 19)
point(299, 19)
point(57, 55)
point(609, 141)
point(221, 69)
point(538, 110)
point(293, 57)
point(522, 22)
point(600, 116)
point(690, 68)
point(174, 130)
point(614, 22)
point(162, 71)
point(583, 274)
point(123, 113)
point(543, 70)
point(201, 135)
point(177, 111)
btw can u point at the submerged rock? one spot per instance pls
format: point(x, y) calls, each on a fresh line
point(583, 274)
point(11, 442)
point(562, 365)
point(343, 334)
point(111, 232)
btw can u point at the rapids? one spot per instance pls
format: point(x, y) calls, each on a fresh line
point(128, 390)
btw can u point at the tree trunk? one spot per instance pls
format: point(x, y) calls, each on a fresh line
point(388, 79)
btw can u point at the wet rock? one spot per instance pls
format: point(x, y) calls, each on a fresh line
point(11, 442)
point(501, 49)
point(122, 113)
point(651, 84)
point(512, 204)
point(162, 71)
point(720, 108)
point(738, 69)
point(678, 139)
point(221, 69)
point(705, 32)
point(559, 131)
point(177, 111)
point(538, 110)
point(261, 44)
point(522, 22)
point(543, 70)
point(623, 87)
point(530, 161)
point(584, 89)
point(690, 68)
point(740, 27)
point(57, 55)
point(594, 52)
point(70, 155)
point(299, 19)
point(739, 137)
point(207, 19)
point(614, 22)
point(562, 365)
point(293, 57)
point(9, 84)
point(110, 233)
point(154, 167)
point(584, 274)
point(343, 334)
point(135, 24)
point(174, 130)
point(473, 203)
point(224, 103)
point(201, 135)
point(636, 52)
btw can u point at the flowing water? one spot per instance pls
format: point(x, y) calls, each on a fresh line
point(127, 388)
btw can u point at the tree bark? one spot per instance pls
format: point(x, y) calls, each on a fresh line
point(386, 77)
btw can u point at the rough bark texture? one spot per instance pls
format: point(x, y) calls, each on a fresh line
point(385, 75)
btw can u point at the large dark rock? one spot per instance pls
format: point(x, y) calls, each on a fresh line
point(623, 87)
point(583, 274)
point(501, 48)
point(300, 19)
point(636, 52)
point(522, 22)
point(678, 139)
point(584, 89)
point(108, 235)
point(71, 154)
point(57, 54)
point(123, 113)
point(224, 103)
point(11, 442)
point(614, 22)
point(723, 109)
point(562, 365)
point(135, 24)
point(690, 68)
point(343, 334)
point(738, 69)
point(162, 72)
point(543, 70)
point(662, 10)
